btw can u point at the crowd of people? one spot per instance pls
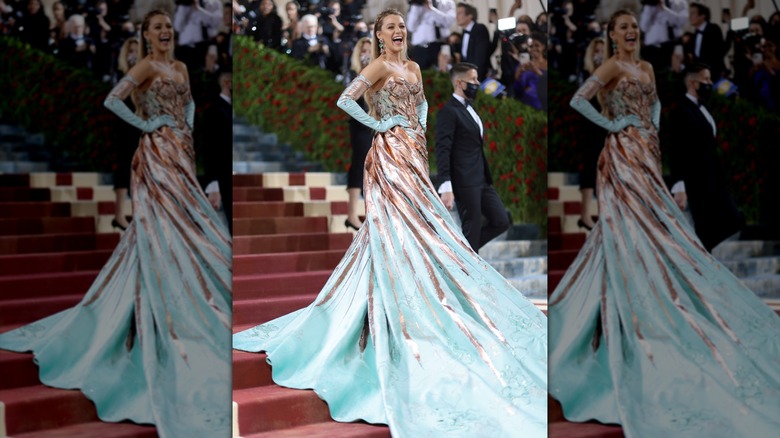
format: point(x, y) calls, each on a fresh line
point(742, 51)
point(442, 33)
point(90, 34)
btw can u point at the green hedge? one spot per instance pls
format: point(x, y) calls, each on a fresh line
point(46, 95)
point(298, 103)
point(747, 135)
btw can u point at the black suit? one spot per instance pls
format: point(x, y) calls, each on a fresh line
point(478, 50)
point(712, 50)
point(217, 151)
point(461, 160)
point(693, 159)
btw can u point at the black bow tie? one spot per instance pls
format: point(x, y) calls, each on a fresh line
point(699, 31)
point(466, 31)
point(467, 103)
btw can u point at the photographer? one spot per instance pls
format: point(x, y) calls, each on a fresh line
point(513, 44)
point(429, 21)
point(329, 18)
point(311, 47)
point(662, 23)
point(267, 27)
point(526, 85)
point(33, 26)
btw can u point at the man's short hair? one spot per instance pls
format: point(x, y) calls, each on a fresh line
point(702, 10)
point(470, 10)
point(461, 69)
point(695, 69)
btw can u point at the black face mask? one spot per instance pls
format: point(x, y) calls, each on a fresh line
point(704, 91)
point(471, 91)
point(361, 34)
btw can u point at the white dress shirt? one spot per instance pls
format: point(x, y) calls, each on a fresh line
point(422, 22)
point(706, 114)
point(464, 48)
point(699, 38)
point(446, 186)
point(188, 21)
point(655, 21)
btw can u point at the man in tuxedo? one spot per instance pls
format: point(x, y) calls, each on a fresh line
point(463, 169)
point(218, 159)
point(694, 163)
point(707, 45)
point(475, 48)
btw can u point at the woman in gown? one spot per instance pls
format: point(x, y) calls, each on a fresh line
point(413, 329)
point(647, 329)
point(150, 341)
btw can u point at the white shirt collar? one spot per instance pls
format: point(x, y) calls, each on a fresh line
point(470, 26)
point(461, 99)
point(693, 99)
point(702, 26)
point(227, 98)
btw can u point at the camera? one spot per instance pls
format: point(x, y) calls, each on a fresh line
point(325, 11)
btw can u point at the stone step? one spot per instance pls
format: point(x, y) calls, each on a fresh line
point(558, 179)
point(520, 267)
point(765, 265)
point(531, 286)
point(23, 166)
point(512, 249)
point(742, 249)
point(765, 286)
point(257, 167)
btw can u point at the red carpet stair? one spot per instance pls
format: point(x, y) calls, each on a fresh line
point(51, 249)
point(288, 237)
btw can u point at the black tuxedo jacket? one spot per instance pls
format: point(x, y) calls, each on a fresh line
point(300, 50)
point(479, 49)
point(459, 154)
point(217, 145)
point(694, 159)
point(712, 50)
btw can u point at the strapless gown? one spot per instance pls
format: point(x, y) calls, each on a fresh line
point(413, 329)
point(150, 341)
point(647, 329)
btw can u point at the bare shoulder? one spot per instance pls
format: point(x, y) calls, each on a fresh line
point(181, 67)
point(375, 71)
point(142, 71)
point(647, 68)
point(608, 71)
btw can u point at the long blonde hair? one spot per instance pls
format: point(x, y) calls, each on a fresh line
point(145, 26)
point(375, 52)
point(123, 64)
point(588, 63)
point(355, 60)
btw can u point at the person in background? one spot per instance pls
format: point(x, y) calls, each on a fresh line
point(127, 136)
point(360, 139)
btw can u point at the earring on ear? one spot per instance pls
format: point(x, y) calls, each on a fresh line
point(381, 47)
point(614, 47)
point(148, 47)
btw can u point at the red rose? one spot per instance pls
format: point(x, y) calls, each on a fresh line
point(519, 121)
point(493, 146)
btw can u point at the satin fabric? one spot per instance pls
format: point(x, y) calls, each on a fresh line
point(150, 341)
point(647, 329)
point(413, 329)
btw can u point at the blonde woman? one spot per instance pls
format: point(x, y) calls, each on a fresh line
point(360, 139)
point(413, 329)
point(647, 329)
point(150, 341)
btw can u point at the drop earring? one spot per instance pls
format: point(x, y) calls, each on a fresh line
point(381, 47)
point(614, 47)
point(148, 47)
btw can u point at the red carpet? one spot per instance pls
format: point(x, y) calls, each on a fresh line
point(48, 260)
point(281, 260)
